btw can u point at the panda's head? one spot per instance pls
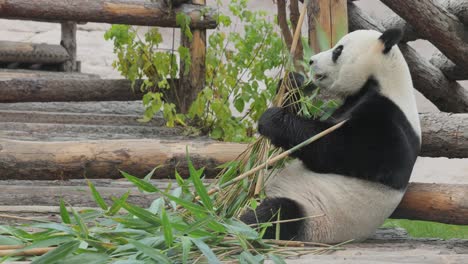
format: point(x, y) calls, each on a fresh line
point(358, 56)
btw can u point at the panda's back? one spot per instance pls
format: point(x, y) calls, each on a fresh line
point(336, 208)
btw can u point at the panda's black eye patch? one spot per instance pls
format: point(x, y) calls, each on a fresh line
point(337, 52)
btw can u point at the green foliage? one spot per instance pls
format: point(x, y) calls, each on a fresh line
point(140, 59)
point(161, 233)
point(238, 68)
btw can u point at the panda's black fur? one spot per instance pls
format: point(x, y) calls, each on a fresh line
point(376, 144)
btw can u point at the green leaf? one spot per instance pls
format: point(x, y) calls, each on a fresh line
point(88, 258)
point(150, 174)
point(83, 229)
point(59, 253)
point(153, 253)
point(64, 213)
point(206, 250)
point(97, 197)
point(55, 226)
point(186, 246)
point(247, 258)
point(118, 203)
point(142, 214)
point(276, 259)
point(6, 240)
point(167, 228)
point(192, 207)
point(141, 184)
point(198, 184)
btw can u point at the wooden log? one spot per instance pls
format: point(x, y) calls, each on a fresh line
point(444, 203)
point(48, 131)
point(67, 90)
point(435, 23)
point(444, 135)
point(32, 53)
point(452, 71)
point(319, 19)
point(8, 74)
point(76, 118)
point(103, 158)
point(131, 12)
point(64, 89)
point(192, 81)
point(69, 43)
point(448, 96)
point(458, 8)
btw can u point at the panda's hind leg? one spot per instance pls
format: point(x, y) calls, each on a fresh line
point(268, 211)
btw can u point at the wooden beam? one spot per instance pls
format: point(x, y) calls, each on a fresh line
point(444, 135)
point(67, 90)
point(450, 69)
point(131, 12)
point(444, 203)
point(448, 96)
point(9, 116)
point(8, 74)
point(435, 23)
point(32, 53)
point(431, 202)
point(103, 158)
point(458, 8)
point(339, 20)
point(69, 43)
point(192, 81)
point(319, 17)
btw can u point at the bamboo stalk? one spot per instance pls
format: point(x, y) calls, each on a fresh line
point(278, 101)
point(7, 247)
point(275, 159)
point(27, 252)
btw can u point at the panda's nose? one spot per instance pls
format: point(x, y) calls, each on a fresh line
point(311, 62)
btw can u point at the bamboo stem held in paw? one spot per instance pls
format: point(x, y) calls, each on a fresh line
point(275, 159)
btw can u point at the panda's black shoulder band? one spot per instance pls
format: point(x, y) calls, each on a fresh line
point(391, 37)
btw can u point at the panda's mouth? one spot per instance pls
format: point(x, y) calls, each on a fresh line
point(320, 77)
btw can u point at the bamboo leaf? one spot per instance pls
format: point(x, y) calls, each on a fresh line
point(276, 259)
point(142, 214)
point(206, 250)
point(141, 184)
point(167, 228)
point(192, 207)
point(97, 197)
point(186, 246)
point(198, 184)
point(58, 254)
point(64, 213)
point(88, 258)
point(153, 253)
point(81, 224)
point(118, 203)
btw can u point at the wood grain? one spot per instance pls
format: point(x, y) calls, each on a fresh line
point(131, 12)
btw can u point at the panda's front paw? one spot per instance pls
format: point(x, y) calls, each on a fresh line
point(271, 121)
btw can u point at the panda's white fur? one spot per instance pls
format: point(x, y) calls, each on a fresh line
point(336, 207)
point(362, 58)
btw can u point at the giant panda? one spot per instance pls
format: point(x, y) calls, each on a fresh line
point(343, 186)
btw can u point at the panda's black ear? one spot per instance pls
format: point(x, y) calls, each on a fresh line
point(390, 37)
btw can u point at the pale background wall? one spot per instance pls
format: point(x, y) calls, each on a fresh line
point(97, 57)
